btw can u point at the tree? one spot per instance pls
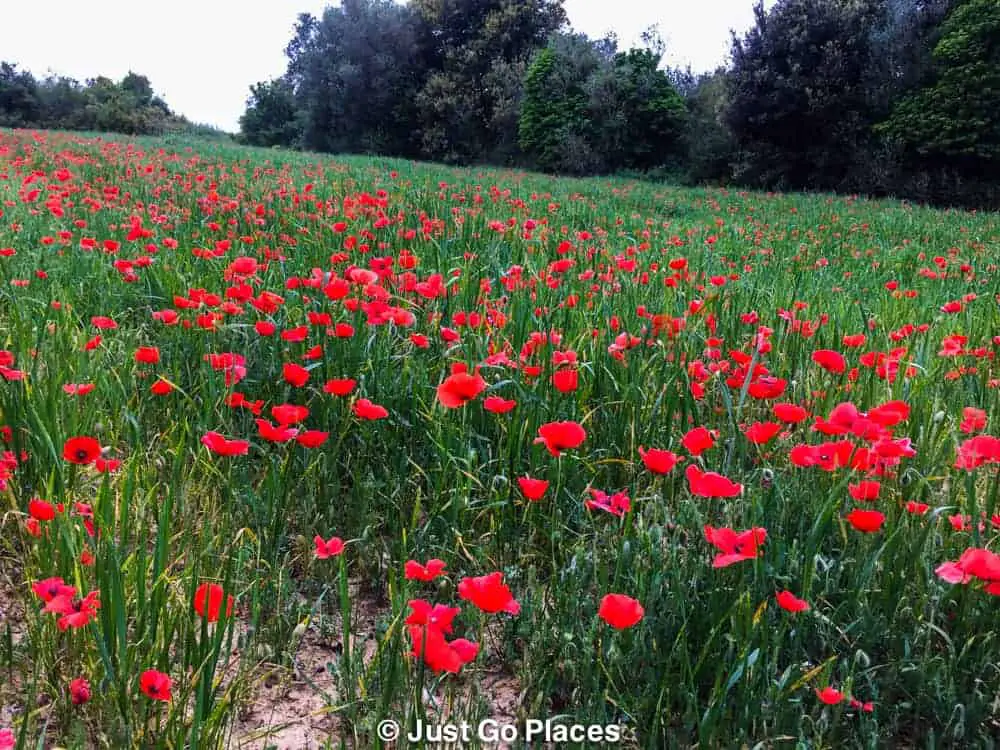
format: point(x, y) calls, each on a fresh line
point(554, 130)
point(354, 74)
point(799, 91)
point(19, 104)
point(271, 117)
point(637, 115)
point(469, 48)
point(956, 118)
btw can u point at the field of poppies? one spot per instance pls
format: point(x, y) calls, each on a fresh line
point(308, 445)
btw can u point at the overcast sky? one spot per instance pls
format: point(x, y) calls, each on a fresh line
point(202, 55)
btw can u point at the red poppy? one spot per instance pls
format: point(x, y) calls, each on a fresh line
point(973, 420)
point(275, 433)
point(341, 387)
point(223, 447)
point(489, 593)
point(620, 611)
point(79, 691)
point(103, 323)
point(147, 355)
point(458, 389)
point(161, 387)
point(710, 484)
point(734, 546)
point(617, 504)
point(41, 510)
point(329, 548)
point(414, 571)
point(81, 450)
point(830, 696)
point(698, 440)
point(760, 433)
point(659, 461)
point(830, 360)
point(560, 436)
point(438, 653)
point(312, 438)
point(155, 684)
point(365, 409)
point(791, 413)
point(868, 521)
point(498, 405)
point(565, 380)
point(294, 374)
point(289, 413)
point(208, 601)
point(791, 603)
point(533, 489)
point(866, 490)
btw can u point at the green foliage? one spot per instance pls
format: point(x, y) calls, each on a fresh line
point(587, 109)
point(354, 73)
point(957, 117)
point(271, 117)
point(129, 106)
point(637, 115)
point(798, 100)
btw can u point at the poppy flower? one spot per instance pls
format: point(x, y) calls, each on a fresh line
point(791, 413)
point(312, 438)
point(147, 355)
point(791, 603)
point(294, 374)
point(565, 380)
point(275, 433)
point(365, 409)
point(161, 387)
point(830, 696)
point(560, 436)
point(830, 360)
point(340, 387)
point(458, 389)
point(617, 504)
point(867, 521)
point(489, 593)
point(697, 441)
point(439, 616)
point(287, 414)
point(414, 571)
point(973, 420)
point(620, 611)
point(265, 328)
point(533, 489)
point(41, 510)
point(7, 739)
point(498, 405)
point(50, 588)
point(438, 653)
point(155, 684)
point(76, 613)
point(760, 433)
point(329, 548)
point(659, 461)
point(81, 450)
point(208, 601)
point(866, 490)
point(734, 546)
point(223, 447)
point(79, 691)
point(710, 484)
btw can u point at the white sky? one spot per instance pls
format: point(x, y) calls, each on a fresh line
point(202, 55)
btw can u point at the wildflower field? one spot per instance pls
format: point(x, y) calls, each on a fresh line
point(294, 447)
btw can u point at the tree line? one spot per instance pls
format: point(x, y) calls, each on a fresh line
point(896, 97)
point(58, 102)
